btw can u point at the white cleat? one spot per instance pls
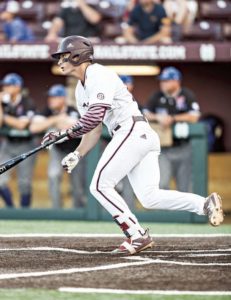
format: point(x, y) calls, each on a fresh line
point(135, 246)
point(213, 209)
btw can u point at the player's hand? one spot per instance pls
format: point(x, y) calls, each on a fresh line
point(70, 161)
point(52, 136)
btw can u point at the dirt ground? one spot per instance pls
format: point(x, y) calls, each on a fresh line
point(195, 264)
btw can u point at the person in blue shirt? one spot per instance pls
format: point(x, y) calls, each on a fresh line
point(148, 23)
point(14, 28)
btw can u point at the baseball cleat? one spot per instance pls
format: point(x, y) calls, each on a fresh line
point(134, 246)
point(213, 209)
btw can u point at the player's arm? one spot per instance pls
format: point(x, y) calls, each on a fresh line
point(129, 34)
point(18, 123)
point(91, 127)
point(186, 117)
point(89, 140)
point(91, 14)
point(163, 33)
point(189, 117)
point(93, 117)
point(152, 117)
point(41, 123)
point(130, 28)
point(57, 25)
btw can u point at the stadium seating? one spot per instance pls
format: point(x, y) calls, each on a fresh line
point(219, 10)
point(212, 18)
point(203, 30)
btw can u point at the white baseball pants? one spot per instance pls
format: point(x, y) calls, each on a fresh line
point(134, 151)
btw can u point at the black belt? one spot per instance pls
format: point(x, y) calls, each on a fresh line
point(135, 119)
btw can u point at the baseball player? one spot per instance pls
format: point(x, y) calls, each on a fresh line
point(173, 104)
point(16, 112)
point(133, 150)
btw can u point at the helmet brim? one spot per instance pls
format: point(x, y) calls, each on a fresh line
point(57, 55)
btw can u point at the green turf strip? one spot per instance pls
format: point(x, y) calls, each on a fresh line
point(68, 227)
point(34, 294)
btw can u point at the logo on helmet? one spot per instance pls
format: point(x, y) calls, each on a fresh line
point(70, 45)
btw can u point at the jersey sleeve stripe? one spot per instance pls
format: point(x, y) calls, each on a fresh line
point(100, 105)
point(89, 121)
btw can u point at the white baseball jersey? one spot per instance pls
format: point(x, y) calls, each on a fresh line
point(103, 87)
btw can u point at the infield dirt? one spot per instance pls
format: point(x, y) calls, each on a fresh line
point(195, 264)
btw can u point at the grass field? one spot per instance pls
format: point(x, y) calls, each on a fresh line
point(71, 227)
point(55, 295)
point(104, 227)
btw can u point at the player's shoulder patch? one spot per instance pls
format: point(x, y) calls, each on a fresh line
point(100, 96)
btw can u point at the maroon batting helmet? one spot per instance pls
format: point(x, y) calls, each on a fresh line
point(78, 46)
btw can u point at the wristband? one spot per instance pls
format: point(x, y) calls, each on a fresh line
point(78, 154)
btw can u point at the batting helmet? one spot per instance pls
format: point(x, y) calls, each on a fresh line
point(78, 46)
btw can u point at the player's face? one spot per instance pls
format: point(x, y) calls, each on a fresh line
point(65, 66)
point(11, 89)
point(56, 103)
point(169, 86)
point(5, 16)
point(146, 2)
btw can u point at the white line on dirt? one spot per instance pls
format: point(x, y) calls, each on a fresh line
point(106, 235)
point(73, 270)
point(205, 255)
point(51, 249)
point(144, 292)
point(182, 263)
point(189, 251)
point(142, 261)
point(199, 252)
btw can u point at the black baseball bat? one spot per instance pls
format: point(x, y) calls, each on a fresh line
point(16, 160)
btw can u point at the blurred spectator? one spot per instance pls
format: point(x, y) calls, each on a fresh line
point(128, 81)
point(171, 105)
point(16, 112)
point(79, 18)
point(180, 15)
point(178, 11)
point(57, 116)
point(14, 28)
point(148, 23)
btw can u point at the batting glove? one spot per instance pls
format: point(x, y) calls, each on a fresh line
point(71, 160)
point(52, 136)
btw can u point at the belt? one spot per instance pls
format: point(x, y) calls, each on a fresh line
point(135, 119)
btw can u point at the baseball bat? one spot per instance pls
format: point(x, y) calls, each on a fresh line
point(16, 160)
